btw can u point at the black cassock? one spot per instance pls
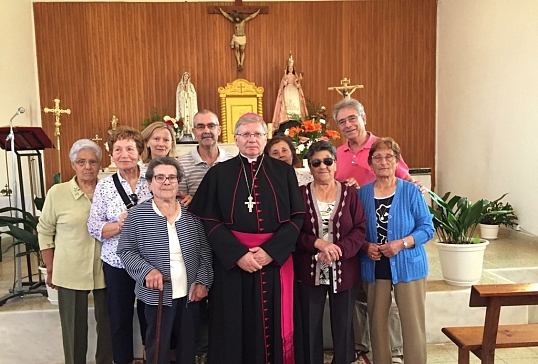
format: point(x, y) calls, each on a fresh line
point(245, 308)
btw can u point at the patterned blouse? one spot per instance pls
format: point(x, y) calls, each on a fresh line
point(107, 206)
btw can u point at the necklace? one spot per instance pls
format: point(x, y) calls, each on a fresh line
point(250, 202)
point(169, 214)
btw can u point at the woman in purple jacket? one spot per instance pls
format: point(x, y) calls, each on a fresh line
point(326, 259)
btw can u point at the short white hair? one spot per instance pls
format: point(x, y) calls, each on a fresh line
point(82, 144)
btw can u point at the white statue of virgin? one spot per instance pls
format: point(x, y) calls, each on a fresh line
point(186, 104)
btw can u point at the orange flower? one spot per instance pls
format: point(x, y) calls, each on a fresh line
point(294, 130)
point(311, 126)
point(333, 134)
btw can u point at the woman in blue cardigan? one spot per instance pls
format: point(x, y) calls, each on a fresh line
point(398, 224)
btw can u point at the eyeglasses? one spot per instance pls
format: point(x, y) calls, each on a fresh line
point(255, 135)
point(351, 119)
point(83, 162)
point(203, 126)
point(379, 158)
point(160, 178)
point(317, 162)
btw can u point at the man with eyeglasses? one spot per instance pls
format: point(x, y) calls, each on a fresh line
point(196, 163)
point(252, 212)
point(205, 155)
point(353, 162)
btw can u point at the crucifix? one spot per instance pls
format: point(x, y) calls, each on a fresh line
point(239, 15)
point(57, 113)
point(250, 203)
point(344, 88)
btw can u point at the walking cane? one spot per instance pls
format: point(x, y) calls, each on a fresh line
point(159, 319)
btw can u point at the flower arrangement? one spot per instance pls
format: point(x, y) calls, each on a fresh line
point(311, 131)
point(177, 125)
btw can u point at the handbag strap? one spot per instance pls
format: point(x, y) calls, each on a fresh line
point(126, 200)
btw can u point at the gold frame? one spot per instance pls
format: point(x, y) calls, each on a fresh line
point(237, 98)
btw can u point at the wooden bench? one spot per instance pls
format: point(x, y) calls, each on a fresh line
point(483, 340)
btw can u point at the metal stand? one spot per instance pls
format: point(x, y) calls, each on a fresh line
point(32, 147)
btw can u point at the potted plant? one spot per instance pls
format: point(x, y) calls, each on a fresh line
point(461, 254)
point(489, 224)
point(22, 227)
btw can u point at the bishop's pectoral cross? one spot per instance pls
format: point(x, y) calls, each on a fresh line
point(250, 203)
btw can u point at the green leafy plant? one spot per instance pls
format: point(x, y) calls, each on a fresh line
point(455, 218)
point(154, 115)
point(505, 216)
point(23, 228)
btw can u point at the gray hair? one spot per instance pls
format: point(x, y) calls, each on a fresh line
point(82, 144)
point(164, 161)
point(345, 103)
point(320, 146)
point(250, 118)
point(205, 112)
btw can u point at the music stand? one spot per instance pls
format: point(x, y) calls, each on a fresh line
point(28, 142)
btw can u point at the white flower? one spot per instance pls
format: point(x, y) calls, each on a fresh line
point(300, 148)
point(287, 132)
point(323, 121)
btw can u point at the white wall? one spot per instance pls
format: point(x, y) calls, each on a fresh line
point(18, 71)
point(487, 90)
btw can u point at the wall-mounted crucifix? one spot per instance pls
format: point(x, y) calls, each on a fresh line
point(239, 15)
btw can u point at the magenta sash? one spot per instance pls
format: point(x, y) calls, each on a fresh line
point(286, 293)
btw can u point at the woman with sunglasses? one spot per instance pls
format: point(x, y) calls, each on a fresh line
point(160, 239)
point(326, 260)
point(113, 196)
point(393, 256)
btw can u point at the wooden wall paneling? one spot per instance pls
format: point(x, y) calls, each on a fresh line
point(125, 58)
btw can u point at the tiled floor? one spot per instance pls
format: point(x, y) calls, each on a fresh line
point(512, 249)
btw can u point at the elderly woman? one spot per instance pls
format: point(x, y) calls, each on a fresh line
point(160, 239)
point(393, 257)
point(326, 258)
point(160, 141)
point(71, 255)
point(282, 148)
point(114, 195)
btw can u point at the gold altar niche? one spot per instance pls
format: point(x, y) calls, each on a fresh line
point(237, 98)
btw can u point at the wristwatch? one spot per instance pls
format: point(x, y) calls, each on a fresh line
point(406, 245)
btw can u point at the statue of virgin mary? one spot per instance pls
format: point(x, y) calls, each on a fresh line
point(290, 101)
point(186, 102)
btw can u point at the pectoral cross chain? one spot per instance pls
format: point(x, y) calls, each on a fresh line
point(250, 203)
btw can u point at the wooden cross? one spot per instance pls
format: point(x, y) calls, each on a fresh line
point(239, 15)
point(344, 88)
point(249, 203)
point(57, 112)
point(96, 138)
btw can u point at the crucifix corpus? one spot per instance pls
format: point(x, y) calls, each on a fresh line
point(239, 15)
point(57, 111)
point(345, 89)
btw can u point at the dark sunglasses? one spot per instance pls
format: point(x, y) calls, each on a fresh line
point(317, 162)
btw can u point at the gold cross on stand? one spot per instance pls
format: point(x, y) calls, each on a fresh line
point(96, 138)
point(57, 112)
point(344, 88)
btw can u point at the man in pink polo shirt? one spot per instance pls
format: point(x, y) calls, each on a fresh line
point(352, 157)
point(352, 160)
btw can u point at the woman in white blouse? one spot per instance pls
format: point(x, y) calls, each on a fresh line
point(107, 216)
